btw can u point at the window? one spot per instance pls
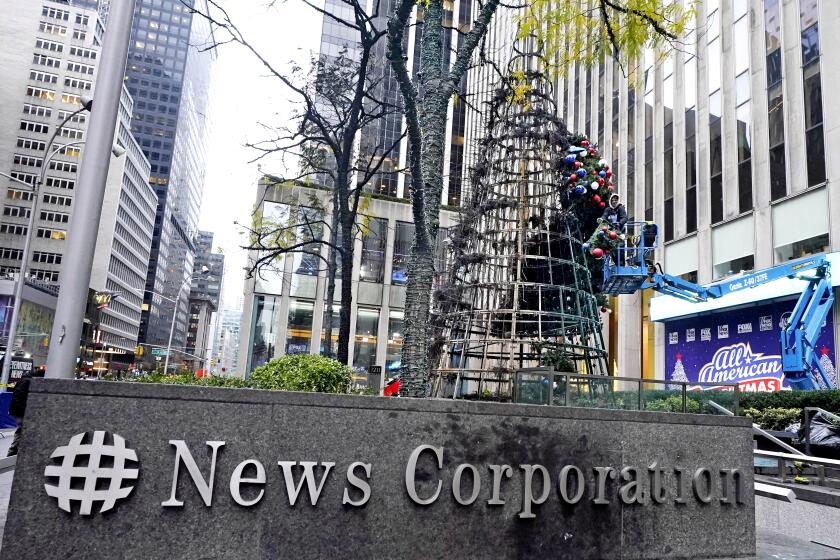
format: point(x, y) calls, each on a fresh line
point(55, 13)
point(299, 327)
point(45, 275)
point(775, 100)
point(11, 254)
point(72, 133)
point(59, 217)
point(49, 233)
point(373, 250)
point(46, 258)
point(45, 60)
point(36, 127)
point(79, 118)
point(39, 93)
point(13, 229)
point(28, 161)
point(742, 264)
point(45, 77)
point(76, 83)
point(57, 183)
point(743, 124)
point(803, 248)
point(263, 326)
point(79, 35)
point(814, 140)
point(396, 329)
point(80, 68)
point(29, 144)
point(52, 29)
point(25, 177)
point(71, 99)
point(364, 354)
point(65, 166)
point(15, 194)
point(49, 45)
point(402, 249)
point(58, 200)
point(81, 19)
point(84, 53)
point(716, 157)
point(36, 110)
point(16, 211)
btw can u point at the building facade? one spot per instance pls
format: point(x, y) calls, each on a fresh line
point(205, 291)
point(725, 143)
point(285, 303)
point(226, 348)
point(169, 79)
point(44, 82)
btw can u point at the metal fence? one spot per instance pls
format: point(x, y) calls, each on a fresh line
point(546, 387)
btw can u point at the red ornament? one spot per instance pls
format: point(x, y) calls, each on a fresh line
point(613, 235)
point(600, 181)
point(578, 164)
point(606, 251)
point(603, 205)
point(597, 252)
point(609, 173)
point(584, 143)
point(596, 198)
point(592, 151)
point(609, 187)
point(604, 228)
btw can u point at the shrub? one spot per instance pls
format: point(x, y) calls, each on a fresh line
point(828, 400)
point(776, 419)
point(672, 403)
point(302, 372)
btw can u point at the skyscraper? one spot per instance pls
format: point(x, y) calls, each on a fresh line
point(204, 297)
point(169, 79)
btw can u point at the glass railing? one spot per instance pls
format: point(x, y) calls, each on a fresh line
point(623, 393)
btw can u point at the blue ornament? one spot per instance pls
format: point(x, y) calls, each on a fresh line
point(581, 172)
point(580, 189)
point(586, 246)
point(570, 159)
point(600, 234)
point(602, 173)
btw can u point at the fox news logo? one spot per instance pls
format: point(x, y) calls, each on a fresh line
point(90, 470)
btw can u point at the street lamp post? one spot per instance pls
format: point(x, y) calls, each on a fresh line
point(204, 270)
point(36, 191)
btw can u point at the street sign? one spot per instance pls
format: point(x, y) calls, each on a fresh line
point(159, 352)
point(375, 370)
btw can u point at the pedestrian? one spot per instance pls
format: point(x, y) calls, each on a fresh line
point(615, 214)
point(17, 407)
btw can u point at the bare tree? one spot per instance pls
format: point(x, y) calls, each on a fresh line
point(337, 98)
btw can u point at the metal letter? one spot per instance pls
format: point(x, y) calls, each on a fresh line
point(204, 487)
point(682, 478)
point(603, 473)
point(736, 477)
point(657, 492)
point(410, 469)
point(359, 483)
point(632, 492)
point(696, 479)
point(563, 480)
point(528, 497)
point(308, 477)
point(498, 472)
point(236, 482)
point(456, 484)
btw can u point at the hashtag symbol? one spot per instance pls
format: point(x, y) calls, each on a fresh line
point(71, 473)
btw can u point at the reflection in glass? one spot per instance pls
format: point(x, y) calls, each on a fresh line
point(373, 250)
point(299, 329)
point(367, 326)
point(402, 249)
point(396, 329)
point(266, 309)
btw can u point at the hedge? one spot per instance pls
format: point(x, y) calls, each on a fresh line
point(828, 400)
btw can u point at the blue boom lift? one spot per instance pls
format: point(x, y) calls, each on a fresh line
point(631, 268)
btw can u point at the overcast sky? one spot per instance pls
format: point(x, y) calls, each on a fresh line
point(242, 97)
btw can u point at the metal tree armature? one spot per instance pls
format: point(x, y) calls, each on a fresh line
point(519, 294)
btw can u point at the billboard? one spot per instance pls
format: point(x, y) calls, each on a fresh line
point(738, 346)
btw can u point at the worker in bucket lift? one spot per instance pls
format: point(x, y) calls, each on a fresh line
point(615, 214)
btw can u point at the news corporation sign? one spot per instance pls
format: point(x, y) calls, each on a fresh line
point(81, 483)
point(129, 470)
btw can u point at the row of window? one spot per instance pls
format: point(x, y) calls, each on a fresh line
point(49, 95)
point(63, 15)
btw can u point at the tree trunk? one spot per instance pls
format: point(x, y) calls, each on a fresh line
point(347, 240)
point(332, 268)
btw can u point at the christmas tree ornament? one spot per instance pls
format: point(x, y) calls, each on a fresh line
point(584, 143)
point(600, 182)
point(581, 173)
point(609, 187)
point(594, 185)
point(602, 163)
point(609, 173)
point(613, 235)
point(571, 158)
point(602, 173)
point(603, 205)
point(597, 252)
point(578, 164)
point(596, 198)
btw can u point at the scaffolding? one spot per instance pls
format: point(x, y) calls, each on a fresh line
point(518, 294)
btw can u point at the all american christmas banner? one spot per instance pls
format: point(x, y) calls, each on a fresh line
point(740, 346)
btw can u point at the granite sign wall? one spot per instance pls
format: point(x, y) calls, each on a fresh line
point(186, 472)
